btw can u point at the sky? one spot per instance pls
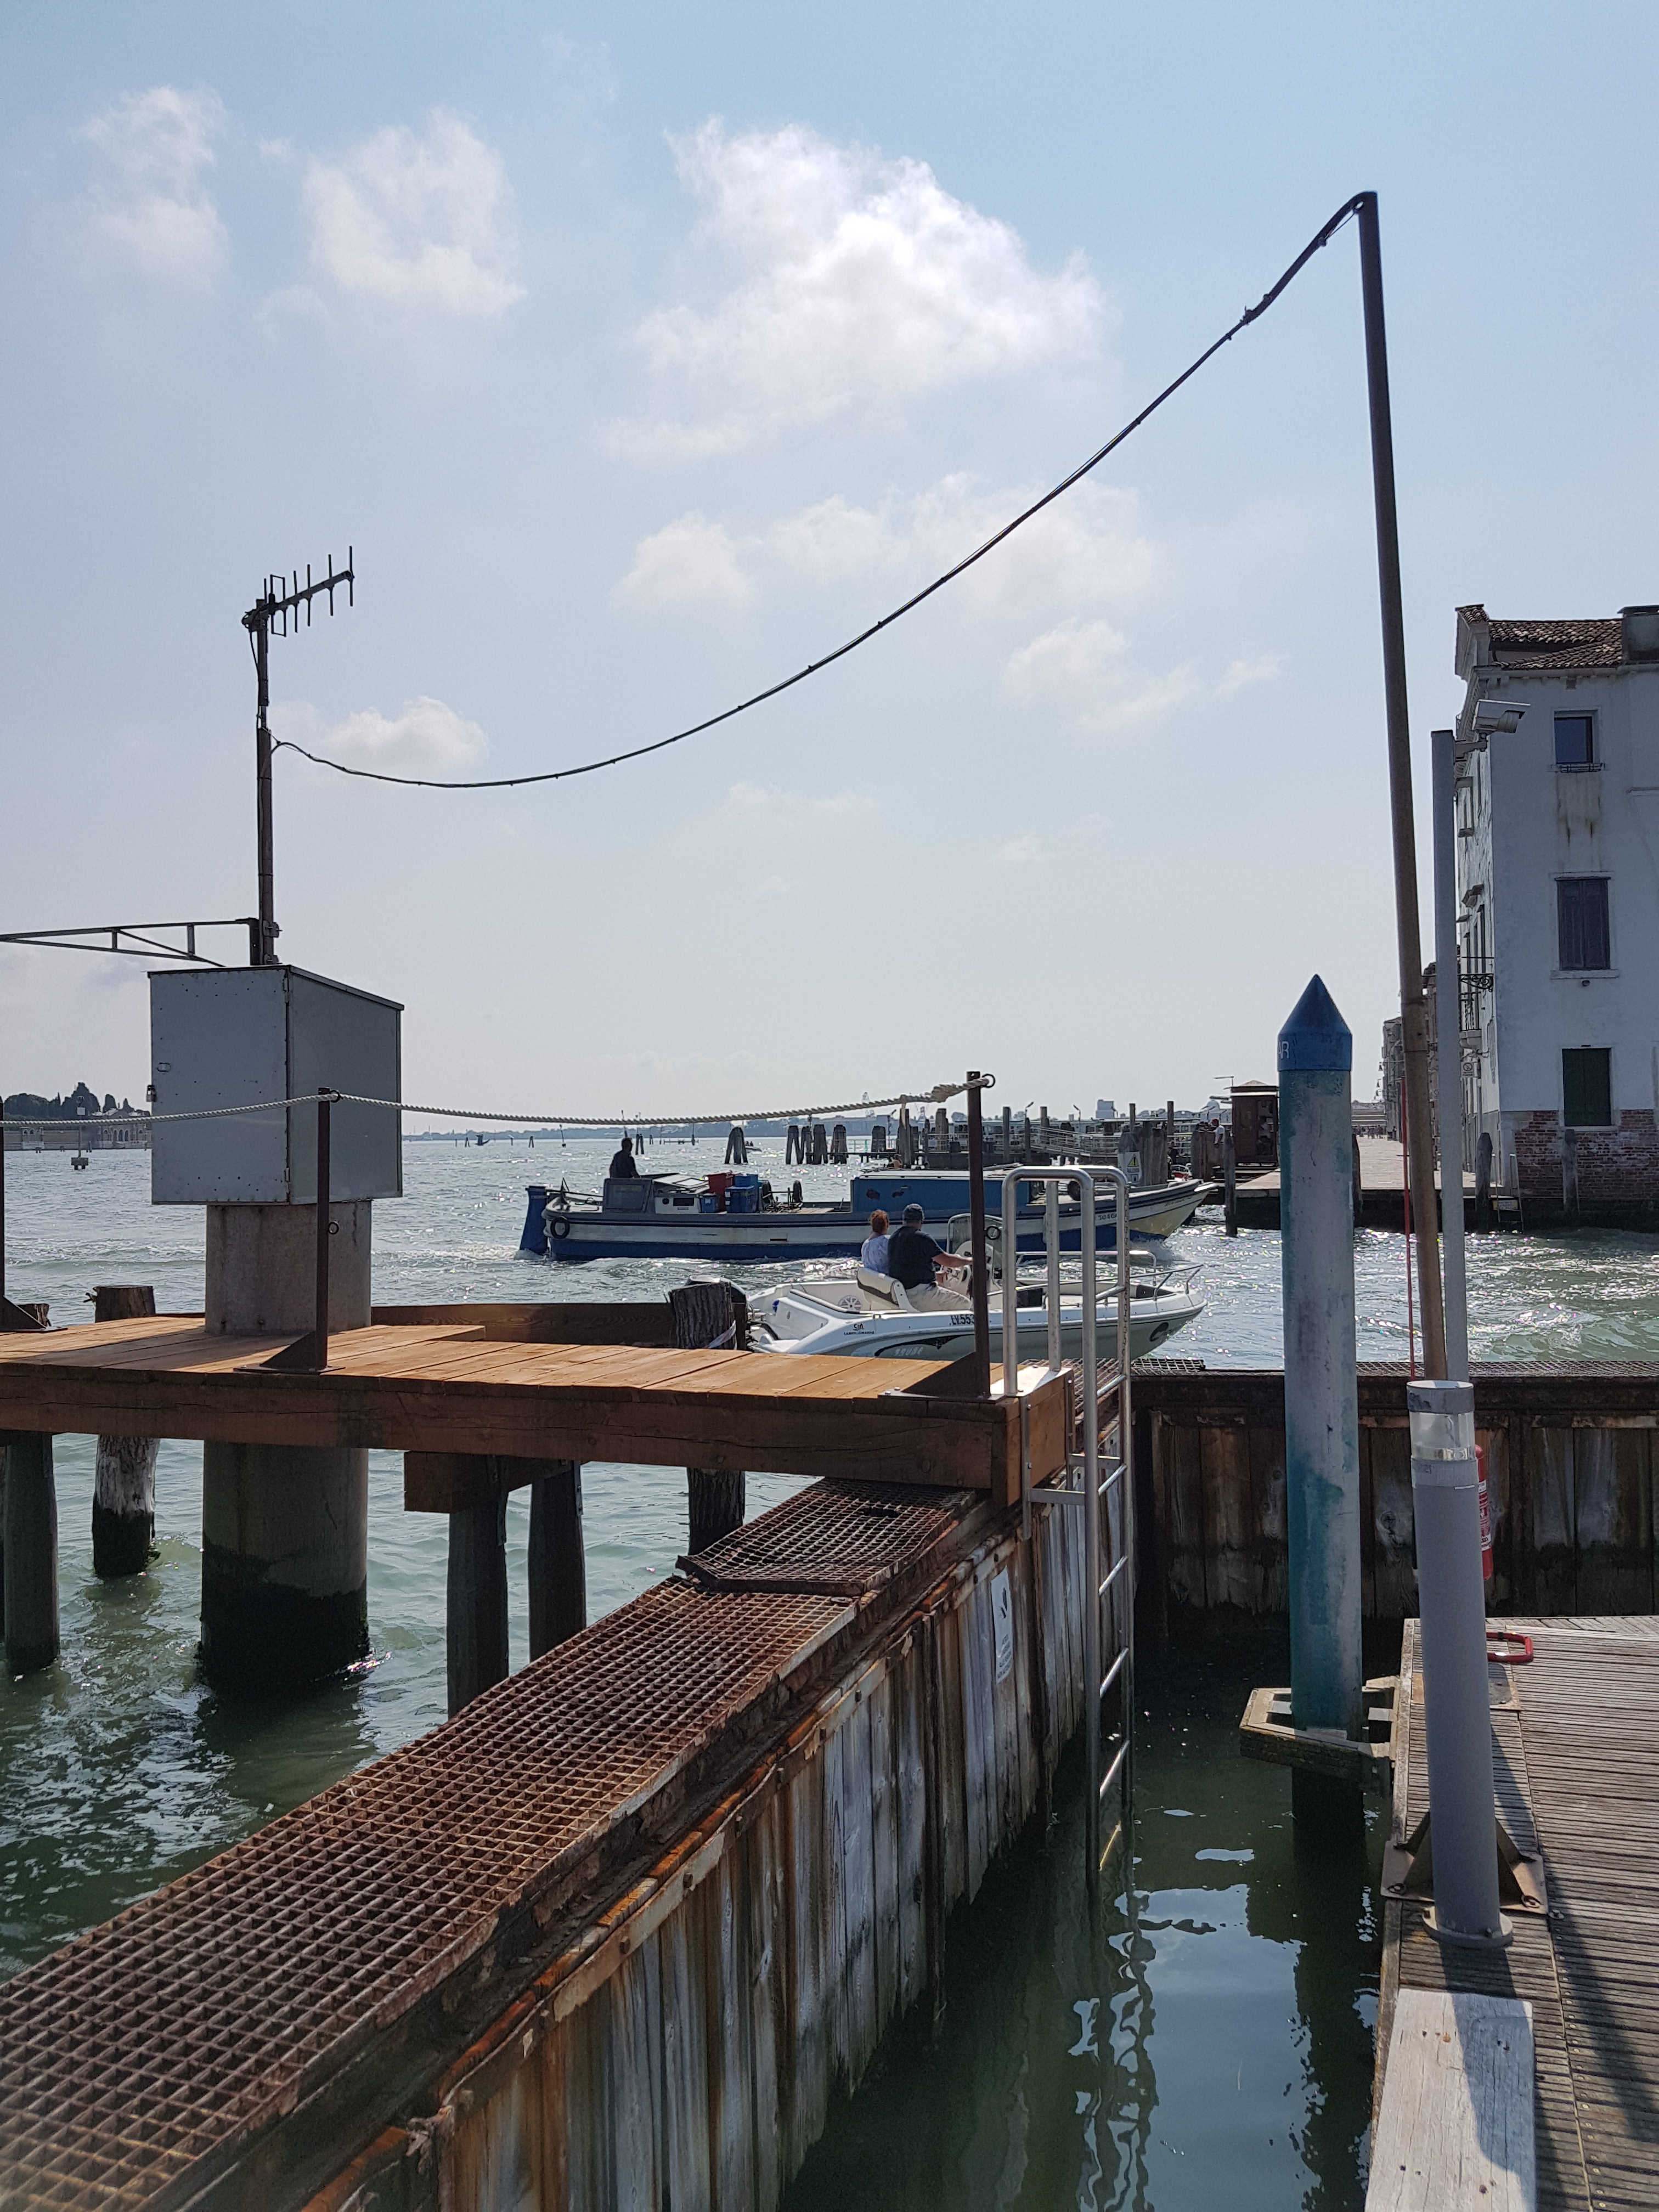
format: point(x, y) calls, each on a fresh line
point(643, 354)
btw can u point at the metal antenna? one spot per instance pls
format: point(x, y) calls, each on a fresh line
point(270, 615)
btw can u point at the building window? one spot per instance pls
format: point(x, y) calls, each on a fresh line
point(1586, 1090)
point(1581, 915)
point(1575, 741)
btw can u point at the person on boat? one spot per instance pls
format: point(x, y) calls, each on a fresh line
point(874, 1254)
point(911, 1253)
point(621, 1163)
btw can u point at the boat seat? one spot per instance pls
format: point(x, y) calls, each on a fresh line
point(868, 1280)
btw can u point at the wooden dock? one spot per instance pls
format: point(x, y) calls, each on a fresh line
point(1576, 1772)
point(1381, 1199)
point(480, 1386)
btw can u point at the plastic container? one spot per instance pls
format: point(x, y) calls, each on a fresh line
point(743, 1201)
point(719, 1184)
point(709, 1202)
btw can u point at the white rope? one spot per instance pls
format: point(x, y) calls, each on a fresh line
point(935, 1095)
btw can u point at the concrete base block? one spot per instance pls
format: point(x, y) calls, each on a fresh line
point(262, 1267)
point(284, 1565)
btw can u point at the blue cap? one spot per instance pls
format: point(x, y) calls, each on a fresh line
point(1315, 1038)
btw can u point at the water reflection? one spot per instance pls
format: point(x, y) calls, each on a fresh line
point(1202, 2038)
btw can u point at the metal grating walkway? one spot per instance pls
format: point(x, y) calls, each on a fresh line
point(137, 2062)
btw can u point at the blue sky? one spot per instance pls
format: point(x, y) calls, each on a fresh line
point(645, 353)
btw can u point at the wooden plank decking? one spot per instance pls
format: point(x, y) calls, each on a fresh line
point(451, 1387)
point(1577, 1776)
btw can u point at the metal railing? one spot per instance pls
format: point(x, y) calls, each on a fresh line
point(1108, 1598)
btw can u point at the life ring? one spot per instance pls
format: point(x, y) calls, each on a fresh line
point(560, 1226)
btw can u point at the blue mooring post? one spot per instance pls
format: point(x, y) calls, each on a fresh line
point(1322, 1401)
point(534, 1240)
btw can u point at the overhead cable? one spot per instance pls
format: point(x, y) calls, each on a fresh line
point(908, 606)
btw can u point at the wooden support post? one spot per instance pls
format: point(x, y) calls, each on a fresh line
point(707, 1315)
point(1482, 1182)
point(476, 1636)
point(1229, 1181)
point(124, 1489)
point(558, 1564)
point(31, 1555)
point(1359, 1188)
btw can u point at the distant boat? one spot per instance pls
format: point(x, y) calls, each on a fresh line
point(739, 1218)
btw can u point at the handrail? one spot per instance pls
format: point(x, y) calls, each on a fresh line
point(1093, 1489)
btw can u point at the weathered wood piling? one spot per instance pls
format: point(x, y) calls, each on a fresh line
point(123, 1483)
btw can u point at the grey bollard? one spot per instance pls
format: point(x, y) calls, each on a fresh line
point(1321, 1407)
point(1451, 1601)
point(31, 1555)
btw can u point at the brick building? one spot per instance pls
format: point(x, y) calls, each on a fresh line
point(1558, 879)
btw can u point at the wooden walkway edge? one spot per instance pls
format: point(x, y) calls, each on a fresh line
point(1576, 1777)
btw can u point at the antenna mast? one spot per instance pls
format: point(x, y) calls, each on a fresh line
point(273, 613)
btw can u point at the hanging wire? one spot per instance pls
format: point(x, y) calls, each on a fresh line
point(773, 690)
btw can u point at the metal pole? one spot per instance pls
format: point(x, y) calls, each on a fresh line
point(1010, 1183)
point(324, 1226)
point(267, 865)
point(977, 1220)
point(1322, 1402)
point(1448, 1042)
point(1414, 1017)
point(2, 1200)
point(1091, 1575)
point(1051, 1241)
point(1125, 1452)
point(1451, 1600)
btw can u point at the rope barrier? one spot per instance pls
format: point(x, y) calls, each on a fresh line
point(933, 1095)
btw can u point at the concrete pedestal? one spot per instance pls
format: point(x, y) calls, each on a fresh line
point(284, 1528)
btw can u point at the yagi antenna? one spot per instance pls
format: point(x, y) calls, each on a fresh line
point(270, 616)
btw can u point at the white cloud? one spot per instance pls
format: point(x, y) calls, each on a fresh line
point(426, 735)
point(417, 221)
point(1242, 674)
point(1073, 657)
point(154, 204)
point(859, 279)
point(1021, 852)
point(686, 560)
point(1080, 667)
point(772, 887)
point(754, 803)
point(1089, 548)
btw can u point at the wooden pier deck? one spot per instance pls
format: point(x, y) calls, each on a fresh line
point(480, 1386)
point(1576, 1774)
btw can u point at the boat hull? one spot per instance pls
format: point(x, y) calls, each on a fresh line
point(1152, 1322)
point(737, 1239)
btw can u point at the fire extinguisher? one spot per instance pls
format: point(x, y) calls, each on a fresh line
point(1486, 1511)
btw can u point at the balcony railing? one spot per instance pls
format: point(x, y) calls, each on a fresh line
point(1474, 989)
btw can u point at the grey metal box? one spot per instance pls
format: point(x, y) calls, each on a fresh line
point(239, 1037)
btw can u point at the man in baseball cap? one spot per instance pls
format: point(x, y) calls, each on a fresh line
point(911, 1253)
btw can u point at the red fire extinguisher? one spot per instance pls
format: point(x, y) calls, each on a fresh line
point(1486, 1511)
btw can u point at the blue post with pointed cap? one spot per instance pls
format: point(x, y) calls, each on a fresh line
point(1322, 1407)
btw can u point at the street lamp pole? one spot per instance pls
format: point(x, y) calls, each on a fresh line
point(1413, 1011)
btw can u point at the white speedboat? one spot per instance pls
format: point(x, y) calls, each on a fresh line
point(868, 1316)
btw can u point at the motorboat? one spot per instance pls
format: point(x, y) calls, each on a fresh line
point(863, 1315)
point(736, 1218)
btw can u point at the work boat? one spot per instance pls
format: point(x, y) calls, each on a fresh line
point(734, 1218)
point(868, 1316)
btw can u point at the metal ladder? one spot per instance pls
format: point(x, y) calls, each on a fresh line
point(1104, 1489)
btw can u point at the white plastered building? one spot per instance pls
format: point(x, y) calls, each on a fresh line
point(1559, 881)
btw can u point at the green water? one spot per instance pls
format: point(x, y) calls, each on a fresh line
point(1223, 2044)
point(1202, 2038)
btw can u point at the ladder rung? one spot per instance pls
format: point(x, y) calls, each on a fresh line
point(1114, 1670)
point(1114, 1575)
point(1111, 1773)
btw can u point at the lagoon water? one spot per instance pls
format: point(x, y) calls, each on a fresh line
point(1204, 2038)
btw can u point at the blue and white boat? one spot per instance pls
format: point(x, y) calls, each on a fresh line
point(739, 1218)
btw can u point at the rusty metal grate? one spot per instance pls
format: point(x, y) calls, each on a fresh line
point(207, 2009)
point(836, 1539)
